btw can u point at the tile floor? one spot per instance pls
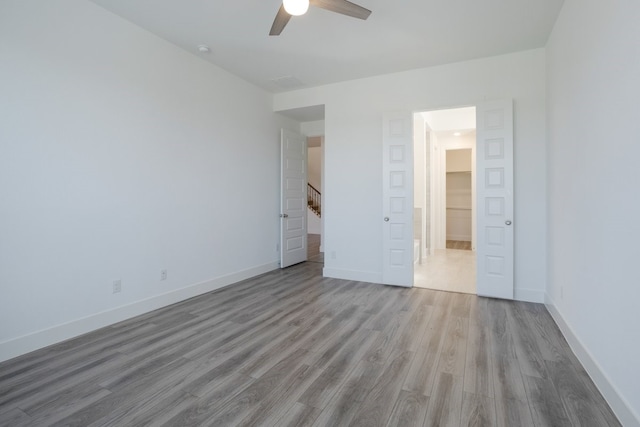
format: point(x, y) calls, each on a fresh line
point(450, 270)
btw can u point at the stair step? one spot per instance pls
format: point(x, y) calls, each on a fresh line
point(315, 209)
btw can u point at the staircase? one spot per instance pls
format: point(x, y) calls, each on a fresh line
point(314, 200)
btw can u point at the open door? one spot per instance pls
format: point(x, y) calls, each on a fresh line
point(293, 195)
point(494, 181)
point(397, 204)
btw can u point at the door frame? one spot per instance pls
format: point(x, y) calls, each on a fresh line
point(441, 194)
point(439, 162)
point(318, 134)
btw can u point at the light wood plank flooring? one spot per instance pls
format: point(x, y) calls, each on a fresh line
point(290, 348)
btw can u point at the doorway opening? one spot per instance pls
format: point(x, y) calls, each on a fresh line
point(444, 200)
point(315, 198)
point(310, 225)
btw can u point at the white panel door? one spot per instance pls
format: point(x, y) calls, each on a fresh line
point(494, 181)
point(397, 205)
point(293, 213)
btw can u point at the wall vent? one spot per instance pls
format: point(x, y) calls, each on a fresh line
point(287, 82)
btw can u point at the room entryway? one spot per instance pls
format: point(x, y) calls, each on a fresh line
point(315, 178)
point(302, 225)
point(444, 200)
point(414, 223)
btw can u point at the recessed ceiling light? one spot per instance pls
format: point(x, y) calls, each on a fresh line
point(203, 48)
point(457, 134)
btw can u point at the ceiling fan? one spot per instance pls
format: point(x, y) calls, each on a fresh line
point(291, 8)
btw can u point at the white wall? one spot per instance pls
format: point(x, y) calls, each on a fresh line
point(437, 196)
point(122, 155)
point(594, 228)
point(459, 160)
point(311, 129)
point(353, 144)
point(314, 161)
point(314, 225)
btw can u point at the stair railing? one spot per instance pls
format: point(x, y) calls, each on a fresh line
point(314, 199)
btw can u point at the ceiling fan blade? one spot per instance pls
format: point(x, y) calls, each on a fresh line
point(280, 22)
point(342, 6)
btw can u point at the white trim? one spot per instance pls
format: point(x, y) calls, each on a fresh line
point(459, 237)
point(623, 410)
point(27, 343)
point(359, 276)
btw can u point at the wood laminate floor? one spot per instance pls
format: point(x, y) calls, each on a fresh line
point(290, 348)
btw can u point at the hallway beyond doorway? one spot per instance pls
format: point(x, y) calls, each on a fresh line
point(459, 244)
point(313, 249)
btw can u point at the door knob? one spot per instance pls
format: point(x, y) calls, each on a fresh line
point(284, 216)
point(386, 219)
point(507, 222)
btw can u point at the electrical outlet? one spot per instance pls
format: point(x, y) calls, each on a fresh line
point(117, 286)
point(277, 247)
point(163, 274)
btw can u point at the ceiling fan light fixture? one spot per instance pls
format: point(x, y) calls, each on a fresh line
point(296, 7)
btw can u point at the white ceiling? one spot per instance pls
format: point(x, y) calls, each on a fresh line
point(323, 47)
point(305, 114)
point(454, 119)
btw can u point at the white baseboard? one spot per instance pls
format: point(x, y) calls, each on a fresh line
point(529, 295)
point(360, 276)
point(623, 410)
point(459, 237)
point(28, 343)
